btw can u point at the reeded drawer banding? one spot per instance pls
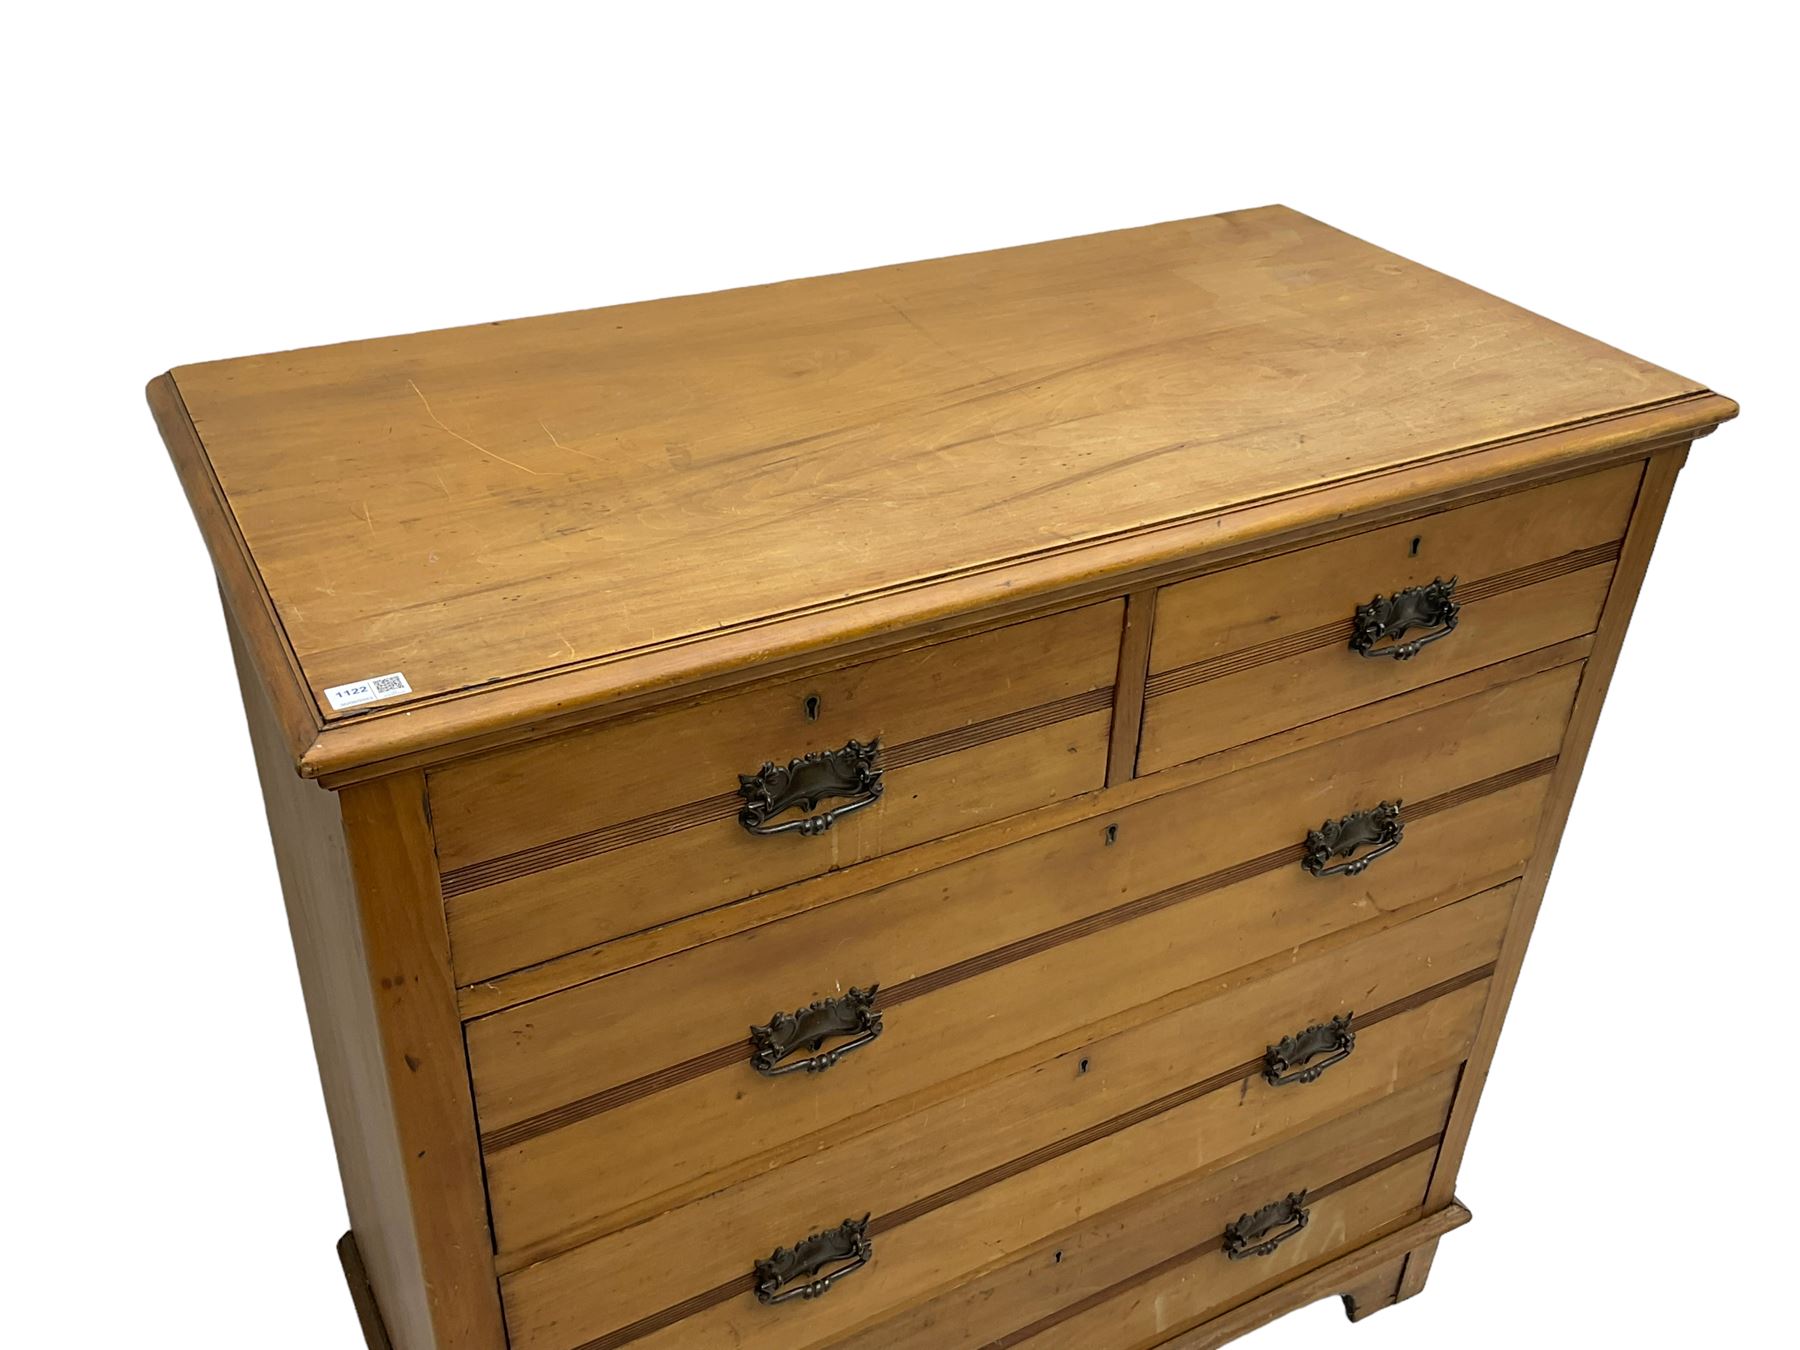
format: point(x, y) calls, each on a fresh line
point(910, 1165)
point(1143, 1307)
point(936, 1239)
point(574, 841)
point(1257, 649)
point(972, 950)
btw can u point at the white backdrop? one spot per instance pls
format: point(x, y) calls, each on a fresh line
point(187, 182)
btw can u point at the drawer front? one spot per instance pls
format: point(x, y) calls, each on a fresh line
point(1133, 1277)
point(1254, 650)
point(1415, 990)
point(617, 1098)
point(1145, 1185)
point(582, 838)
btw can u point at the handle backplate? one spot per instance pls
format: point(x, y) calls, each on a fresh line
point(1379, 829)
point(1296, 1059)
point(851, 1014)
point(1260, 1233)
point(851, 772)
point(809, 1268)
point(1390, 619)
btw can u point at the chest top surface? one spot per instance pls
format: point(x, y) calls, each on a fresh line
point(647, 493)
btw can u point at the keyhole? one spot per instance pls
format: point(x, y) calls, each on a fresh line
point(1082, 1067)
point(1112, 835)
point(812, 704)
point(1415, 546)
point(1056, 1259)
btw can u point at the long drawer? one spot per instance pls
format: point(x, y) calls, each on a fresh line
point(908, 1167)
point(1253, 650)
point(1130, 1278)
point(615, 1099)
point(574, 840)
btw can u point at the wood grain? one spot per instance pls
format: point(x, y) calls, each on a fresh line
point(1323, 682)
point(1252, 823)
point(368, 933)
point(1138, 1312)
point(1333, 1278)
point(609, 958)
point(627, 1146)
point(1145, 1148)
point(1128, 690)
point(908, 1161)
point(1247, 607)
point(454, 505)
point(929, 1256)
point(585, 838)
point(1182, 1201)
point(499, 804)
point(1076, 529)
point(1634, 562)
point(1248, 651)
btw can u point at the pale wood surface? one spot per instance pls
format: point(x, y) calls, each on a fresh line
point(578, 839)
point(599, 1106)
point(486, 505)
point(1248, 651)
point(608, 958)
point(1186, 1202)
point(995, 1217)
point(1335, 1277)
point(1244, 607)
point(1140, 1315)
point(1634, 562)
point(368, 936)
point(906, 1159)
point(535, 916)
point(609, 1031)
point(490, 805)
point(1074, 528)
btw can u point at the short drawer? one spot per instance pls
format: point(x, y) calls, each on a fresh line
point(1253, 650)
point(609, 1101)
point(581, 838)
point(1398, 1005)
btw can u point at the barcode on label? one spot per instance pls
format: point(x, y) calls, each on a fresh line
point(367, 691)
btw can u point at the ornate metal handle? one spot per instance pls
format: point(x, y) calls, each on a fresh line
point(1381, 827)
point(1259, 1234)
point(1416, 607)
point(807, 781)
point(846, 1248)
point(851, 1014)
point(1292, 1059)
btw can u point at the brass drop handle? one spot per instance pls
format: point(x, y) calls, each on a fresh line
point(1260, 1233)
point(852, 772)
point(1428, 606)
point(1295, 1059)
point(1379, 827)
point(851, 1014)
point(809, 1268)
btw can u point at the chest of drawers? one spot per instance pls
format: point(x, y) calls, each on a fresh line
point(989, 802)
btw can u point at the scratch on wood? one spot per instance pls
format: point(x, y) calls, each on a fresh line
point(920, 330)
point(464, 439)
point(560, 446)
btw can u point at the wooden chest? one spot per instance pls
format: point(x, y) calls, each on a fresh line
point(990, 802)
